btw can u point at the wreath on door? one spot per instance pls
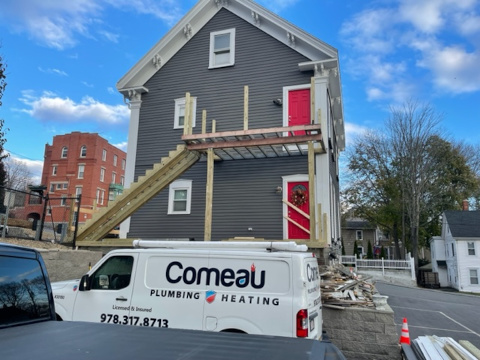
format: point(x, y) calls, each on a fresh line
point(299, 195)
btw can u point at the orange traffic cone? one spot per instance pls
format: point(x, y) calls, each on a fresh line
point(405, 337)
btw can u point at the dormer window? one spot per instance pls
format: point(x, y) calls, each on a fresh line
point(222, 48)
point(83, 151)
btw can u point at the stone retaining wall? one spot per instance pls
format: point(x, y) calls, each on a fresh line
point(363, 334)
point(69, 264)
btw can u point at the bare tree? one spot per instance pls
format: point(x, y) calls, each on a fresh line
point(411, 126)
point(18, 175)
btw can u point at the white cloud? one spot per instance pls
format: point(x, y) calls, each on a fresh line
point(53, 71)
point(50, 107)
point(34, 167)
point(122, 145)
point(439, 37)
point(57, 24)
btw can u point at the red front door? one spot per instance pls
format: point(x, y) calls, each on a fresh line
point(298, 197)
point(299, 108)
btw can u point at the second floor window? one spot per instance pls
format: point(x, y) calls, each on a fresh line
point(54, 170)
point(81, 171)
point(179, 121)
point(471, 248)
point(78, 192)
point(114, 178)
point(83, 151)
point(102, 174)
point(359, 235)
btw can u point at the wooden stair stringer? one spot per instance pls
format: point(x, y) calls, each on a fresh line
point(141, 191)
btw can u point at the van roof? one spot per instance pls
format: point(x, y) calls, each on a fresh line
point(222, 245)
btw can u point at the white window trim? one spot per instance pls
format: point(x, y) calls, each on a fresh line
point(212, 47)
point(64, 152)
point(104, 155)
point(102, 174)
point(83, 172)
point(179, 185)
point(470, 276)
point(356, 235)
point(84, 147)
point(54, 170)
point(178, 104)
point(468, 249)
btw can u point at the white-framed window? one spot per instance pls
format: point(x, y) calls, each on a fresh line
point(471, 248)
point(64, 152)
point(474, 276)
point(54, 170)
point(102, 174)
point(179, 121)
point(124, 162)
point(78, 192)
point(104, 155)
point(49, 211)
point(114, 177)
point(81, 171)
point(100, 196)
point(359, 235)
point(83, 151)
point(115, 160)
point(59, 186)
point(63, 200)
point(122, 180)
point(52, 188)
point(179, 197)
point(65, 186)
point(222, 48)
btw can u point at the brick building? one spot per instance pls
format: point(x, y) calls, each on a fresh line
point(77, 164)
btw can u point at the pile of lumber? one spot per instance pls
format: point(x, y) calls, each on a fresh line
point(444, 348)
point(342, 287)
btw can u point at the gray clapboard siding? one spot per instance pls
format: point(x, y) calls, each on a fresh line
point(244, 195)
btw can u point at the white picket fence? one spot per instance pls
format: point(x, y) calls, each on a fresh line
point(380, 264)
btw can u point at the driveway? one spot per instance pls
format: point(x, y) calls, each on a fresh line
point(434, 312)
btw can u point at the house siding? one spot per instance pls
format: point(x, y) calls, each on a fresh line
point(244, 190)
point(468, 262)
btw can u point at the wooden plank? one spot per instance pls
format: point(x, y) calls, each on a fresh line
point(303, 213)
point(186, 116)
point(209, 196)
point(283, 129)
point(311, 189)
point(253, 142)
point(245, 107)
point(470, 348)
point(204, 121)
point(296, 224)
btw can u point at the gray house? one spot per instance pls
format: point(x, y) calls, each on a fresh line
point(260, 101)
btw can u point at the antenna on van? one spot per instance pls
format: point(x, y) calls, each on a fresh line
point(221, 245)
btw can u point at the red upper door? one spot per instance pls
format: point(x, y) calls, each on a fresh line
point(299, 108)
point(298, 197)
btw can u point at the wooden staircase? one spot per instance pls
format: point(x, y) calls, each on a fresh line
point(141, 191)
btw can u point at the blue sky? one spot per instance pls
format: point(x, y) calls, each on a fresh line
point(64, 58)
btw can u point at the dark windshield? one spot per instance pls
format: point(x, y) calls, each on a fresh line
point(23, 292)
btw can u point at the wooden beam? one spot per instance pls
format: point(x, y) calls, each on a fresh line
point(245, 107)
point(319, 221)
point(297, 224)
point(312, 100)
point(209, 196)
point(325, 232)
point(253, 142)
point(315, 128)
point(311, 189)
point(214, 126)
point(204, 121)
point(303, 213)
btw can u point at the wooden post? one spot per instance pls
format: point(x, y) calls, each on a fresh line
point(245, 107)
point(312, 101)
point(214, 126)
point(209, 196)
point(311, 188)
point(204, 121)
point(186, 117)
point(319, 221)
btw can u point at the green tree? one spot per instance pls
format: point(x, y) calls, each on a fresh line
point(369, 250)
point(403, 178)
point(355, 249)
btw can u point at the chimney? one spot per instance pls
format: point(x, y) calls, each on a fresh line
point(465, 205)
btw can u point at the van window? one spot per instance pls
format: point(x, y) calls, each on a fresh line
point(23, 292)
point(114, 274)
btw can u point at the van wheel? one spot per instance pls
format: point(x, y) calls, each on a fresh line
point(234, 331)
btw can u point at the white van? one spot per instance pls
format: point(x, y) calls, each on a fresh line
point(270, 288)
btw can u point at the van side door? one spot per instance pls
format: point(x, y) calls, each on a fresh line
point(109, 291)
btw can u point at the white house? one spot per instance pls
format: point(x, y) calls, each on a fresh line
point(456, 253)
